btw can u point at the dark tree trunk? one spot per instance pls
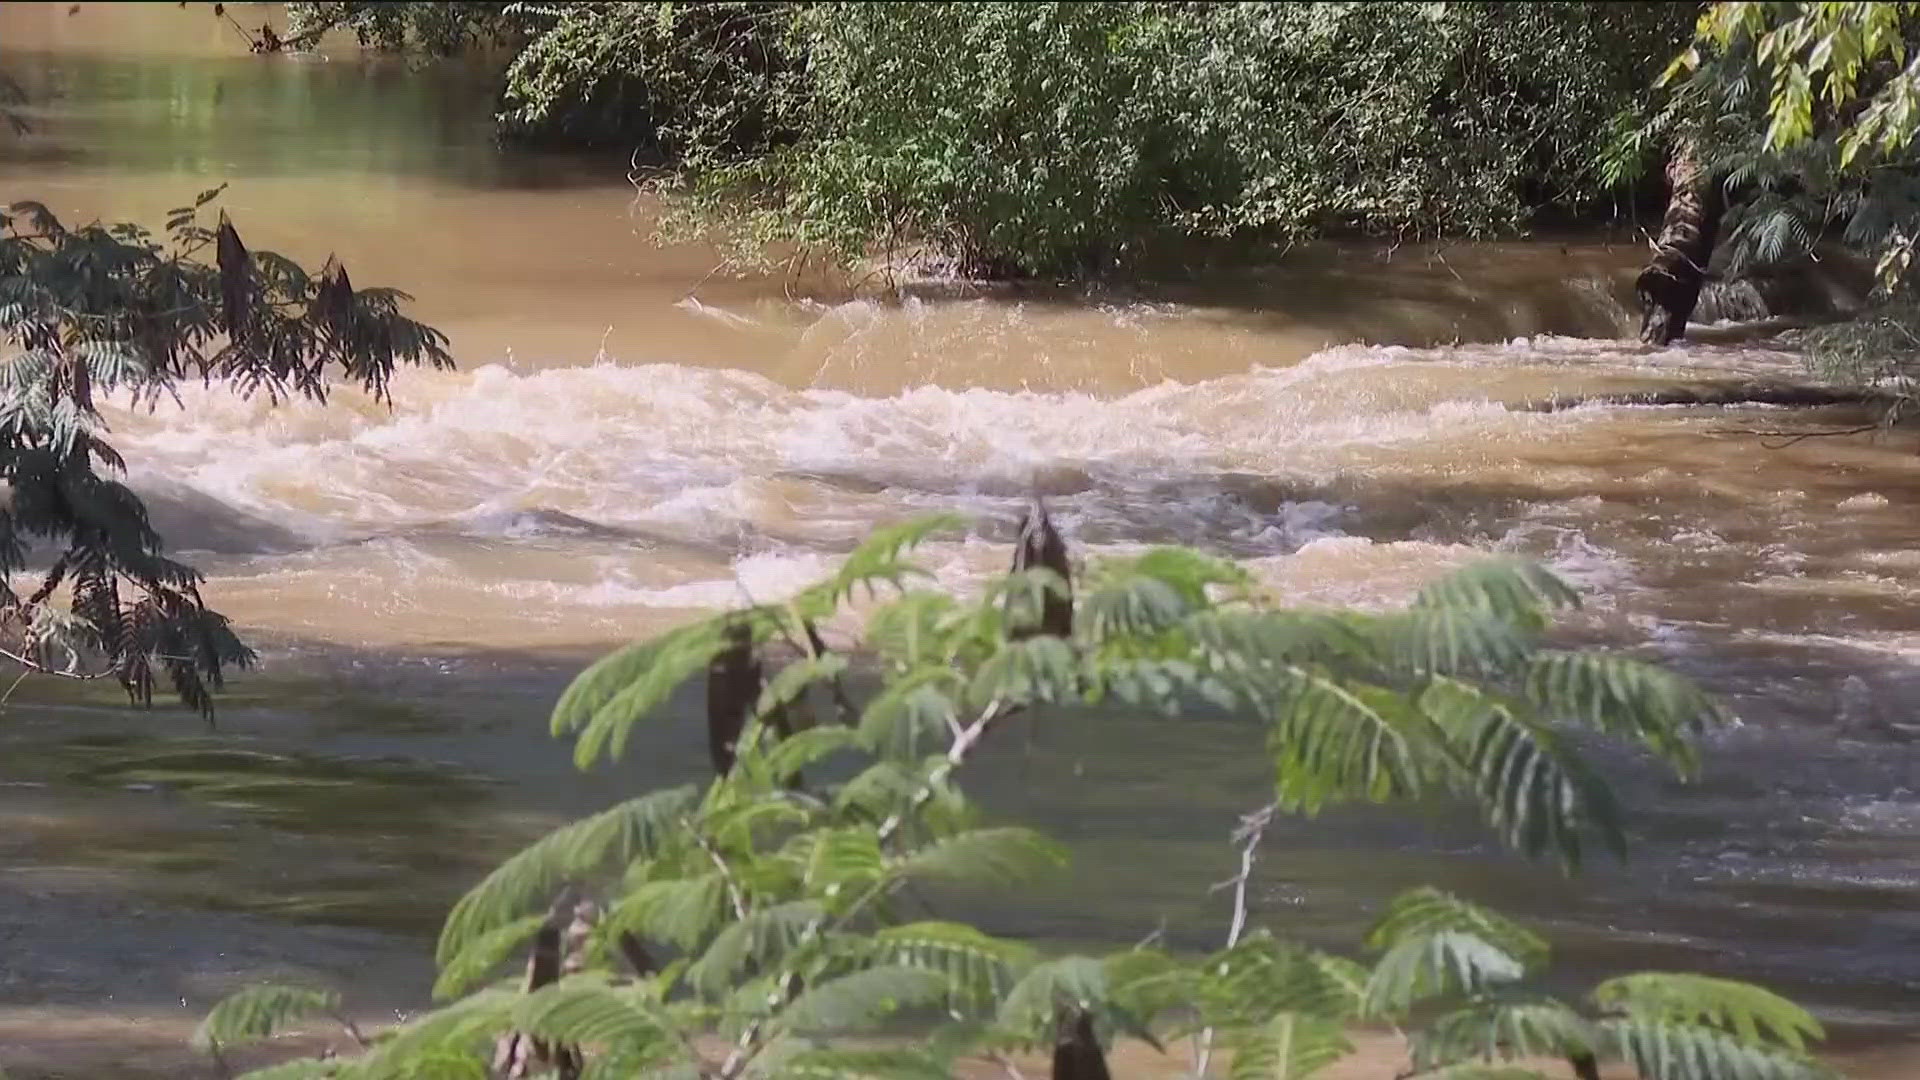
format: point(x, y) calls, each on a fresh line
point(1039, 545)
point(1670, 285)
point(1076, 1050)
point(733, 688)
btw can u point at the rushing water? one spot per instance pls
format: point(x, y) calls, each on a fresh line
point(627, 442)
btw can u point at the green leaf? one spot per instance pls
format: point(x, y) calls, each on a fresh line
point(583, 1010)
point(912, 629)
point(482, 955)
point(1287, 1046)
point(915, 706)
point(607, 699)
point(1622, 696)
point(679, 911)
point(1423, 911)
point(1001, 856)
point(531, 878)
point(862, 998)
point(978, 968)
point(1447, 962)
point(845, 861)
point(1673, 1051)
point(441, 1043)
point(1536, 793)
point(1132, 607)
point(1510, 589)
point(763, 936)
point(1331, 743)
point(878, 560)
point(803, 748)
point(1038, 669)
point(1279, 637)
point(791, 681)
point(1072, 982)
point(259, 1011)
point(1750, 1012)
point(1261, 977)
point(1497, 1029)
point(1439, 641)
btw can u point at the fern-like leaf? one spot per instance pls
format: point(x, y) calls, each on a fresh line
point(445, 1042)
point(1425, 911)
point(878, 560)
point(259, 1011)
point(679, 911)
point(1438, 641)
point(1261, 977)
point(1495, 1029)
point(1332, 741)
point(762, 937)
point(1512, 589)
point(652, 674)
point(1288, 1046)
point(1003, 856)
point(482, 955)
point(529, 879)
point(1671, 1051)
point(1447, 962)
point(1750, 1012)
point(1537, 794)
point(862, 998)
point(1622, 696)
point(977, 967)
point(1077, 983)
point(1038, 669)
point(584, 1011)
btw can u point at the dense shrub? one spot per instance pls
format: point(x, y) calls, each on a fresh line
point(1060, 138)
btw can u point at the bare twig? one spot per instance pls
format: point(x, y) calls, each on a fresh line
point(1253, 829)
point(733, 887)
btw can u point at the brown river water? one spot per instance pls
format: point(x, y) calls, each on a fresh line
point(629, 441)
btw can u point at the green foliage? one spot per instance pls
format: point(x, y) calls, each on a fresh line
point(749, 928)
point(440, 28)
point(259, 1012)
point(98, 311)
point(1808, 111)
point(1078, 137)
point(1069, 138)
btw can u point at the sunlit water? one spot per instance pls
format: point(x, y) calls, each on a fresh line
point(628, 443)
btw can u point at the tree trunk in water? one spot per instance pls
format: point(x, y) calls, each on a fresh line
point(1670, 285)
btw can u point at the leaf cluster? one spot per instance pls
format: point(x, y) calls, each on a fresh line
point(112, 311)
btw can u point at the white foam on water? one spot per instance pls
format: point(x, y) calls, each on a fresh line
point(772, 481)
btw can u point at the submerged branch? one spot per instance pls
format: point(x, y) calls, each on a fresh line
point(1793, 396)
point(1788, 438)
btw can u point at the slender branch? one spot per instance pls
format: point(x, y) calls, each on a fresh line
point(1252, 830)
point(8, 696)
point(34, 665)
point(733, 887)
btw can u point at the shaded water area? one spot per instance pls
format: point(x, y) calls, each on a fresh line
point(628, 442)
